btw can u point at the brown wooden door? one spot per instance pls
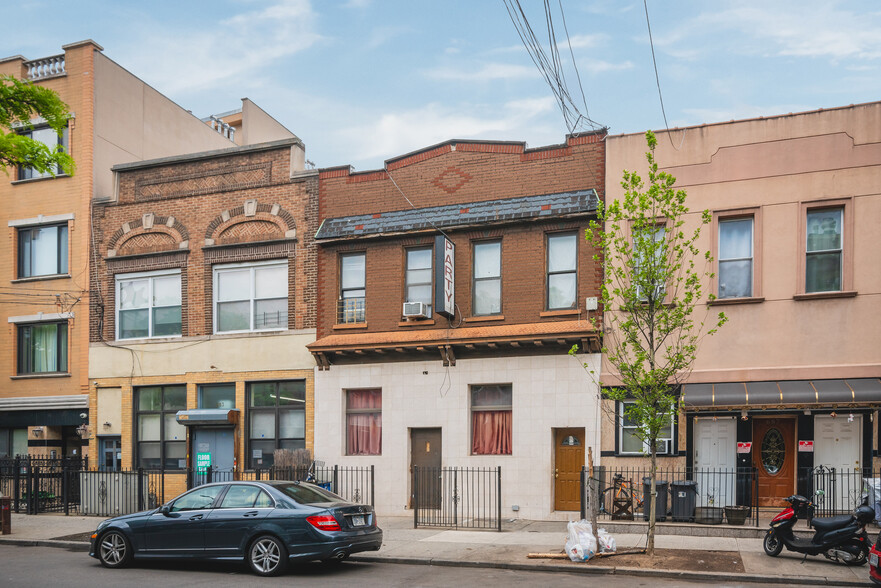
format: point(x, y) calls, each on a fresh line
point(425, 454)
point(773, 451)
point(568, 461)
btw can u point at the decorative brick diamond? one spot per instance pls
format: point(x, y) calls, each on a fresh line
point(451, 179)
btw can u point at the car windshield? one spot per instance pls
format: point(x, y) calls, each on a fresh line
point(307, 494)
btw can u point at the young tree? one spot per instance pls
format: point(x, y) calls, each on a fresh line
point(20, 101)
point(651, 288)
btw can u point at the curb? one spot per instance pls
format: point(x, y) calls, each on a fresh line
point(706, 577)
point(72, 545)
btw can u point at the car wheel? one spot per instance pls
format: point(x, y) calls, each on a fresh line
point(772, 544)
point(114, 550)
point(267, 556)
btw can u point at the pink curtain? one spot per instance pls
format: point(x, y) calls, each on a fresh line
point(491, 432)
point(364, 429)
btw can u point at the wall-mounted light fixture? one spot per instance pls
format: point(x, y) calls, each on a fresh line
point(743, 415)
point(107, 425)
point(37, 431)
point(807, 412)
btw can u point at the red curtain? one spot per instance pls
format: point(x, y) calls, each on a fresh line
point(364, 429)
point(491, 432)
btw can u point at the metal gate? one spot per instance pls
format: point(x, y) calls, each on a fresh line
point(466, 498)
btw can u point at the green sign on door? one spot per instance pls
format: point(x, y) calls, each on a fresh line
point(203, 462)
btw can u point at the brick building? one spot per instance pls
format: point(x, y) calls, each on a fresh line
point(44, 265)
point(452, 284)
point(205, 275)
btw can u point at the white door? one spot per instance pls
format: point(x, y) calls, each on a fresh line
point(715, 461)
point(837, 445)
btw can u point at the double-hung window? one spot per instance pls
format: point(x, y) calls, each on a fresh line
point(148, 305)
point(491, 419)
point(42, 251)
point(824, 250)
point(277, 419)
point(352, 288)
point(364, 422)
point(162, 441)
point(42, 348)
point(487, 278)
point(649, 254)
point(251, 297)
point(418, 278)
point(629, 442)
point(55, 142)
point(562, 271)
point(736, 258)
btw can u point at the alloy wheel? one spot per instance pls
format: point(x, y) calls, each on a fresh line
point(265, 555)
point(113, 549)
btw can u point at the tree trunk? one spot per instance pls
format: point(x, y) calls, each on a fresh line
point(650, 541)
point(593, 496)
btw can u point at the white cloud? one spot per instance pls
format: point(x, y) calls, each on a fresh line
point(583, 41)
point(489, 71)
point(595, 66)
point(382, 35)
point(358, 4)
point(698, 116)
point(221, 51)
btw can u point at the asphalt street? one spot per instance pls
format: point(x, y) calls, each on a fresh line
point(47, 566)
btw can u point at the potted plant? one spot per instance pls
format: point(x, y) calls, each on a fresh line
point(737, 515)
point(708, 515)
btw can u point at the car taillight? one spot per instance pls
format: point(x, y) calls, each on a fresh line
point(324, 522)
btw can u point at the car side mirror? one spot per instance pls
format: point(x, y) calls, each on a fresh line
point(166, 508)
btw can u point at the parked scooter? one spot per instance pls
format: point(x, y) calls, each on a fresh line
point(842, 538)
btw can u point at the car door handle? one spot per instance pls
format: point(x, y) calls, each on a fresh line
point(252, 513)
point(197, 517)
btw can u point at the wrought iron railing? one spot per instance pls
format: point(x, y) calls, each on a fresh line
point(351, 310)
point(468, 498)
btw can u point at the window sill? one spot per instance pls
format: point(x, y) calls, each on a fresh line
point(38, 376)
point(345, 326)
point(728, 301)
point(168, 339)
point(480, 319)
point(644, 456)
point(39, 278)
point(564, 312)
point(29, 180)
point(417, 323)
point(822, 295)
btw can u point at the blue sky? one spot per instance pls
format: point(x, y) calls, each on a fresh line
point(361, 81)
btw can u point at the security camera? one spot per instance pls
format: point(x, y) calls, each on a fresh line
point(84, 415)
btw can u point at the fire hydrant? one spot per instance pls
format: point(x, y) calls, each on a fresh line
point(5, 515)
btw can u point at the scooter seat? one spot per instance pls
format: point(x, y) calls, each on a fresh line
point(830, 523)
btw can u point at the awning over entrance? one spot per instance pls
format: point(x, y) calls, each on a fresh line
point(783, 394)
point(208, 416)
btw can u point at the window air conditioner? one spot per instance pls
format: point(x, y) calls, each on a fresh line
point(663, 446)
point(414, 309)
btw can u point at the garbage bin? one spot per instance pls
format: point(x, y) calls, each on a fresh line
point(5, 516)
point(661, 500)
point(684, 500)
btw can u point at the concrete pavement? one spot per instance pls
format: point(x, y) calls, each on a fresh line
point(508, 549)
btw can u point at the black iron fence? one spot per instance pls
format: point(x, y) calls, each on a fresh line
point(467, 498)
point(835, 491)
point(683, 495)
point(62, 485)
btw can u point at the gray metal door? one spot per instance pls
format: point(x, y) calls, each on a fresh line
point(219, 446)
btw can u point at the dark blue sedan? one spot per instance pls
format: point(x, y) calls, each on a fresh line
point(269, 524)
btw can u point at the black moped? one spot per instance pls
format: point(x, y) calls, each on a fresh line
point(842, 538)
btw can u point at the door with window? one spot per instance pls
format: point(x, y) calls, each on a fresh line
point(214, 454)
point(425, 462)
point(568, 462)
point(774, 459)
point(109, 453)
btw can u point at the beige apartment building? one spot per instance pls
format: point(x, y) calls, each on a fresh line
point(790, 386)
point(44, 266)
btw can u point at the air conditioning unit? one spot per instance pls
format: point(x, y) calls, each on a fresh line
point(414, 310)
point(663, 446)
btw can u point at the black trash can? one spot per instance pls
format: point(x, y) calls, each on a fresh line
point(684, 500)
point(661, 500)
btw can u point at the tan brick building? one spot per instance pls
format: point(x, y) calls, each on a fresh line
point(205, 295)
point(452, 285)
point(44, 265)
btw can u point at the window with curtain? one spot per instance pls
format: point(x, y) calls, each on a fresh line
point(352, 288)
point(418, 278)
point(491, 419)
point(364, 422)
point(42, 348)
point(162, 441)
point(562, 271)
point(47, 136)
point(251, 297)
point(487, 278)
point(276, 420)
point(148, 305)
point(736, 258)
point(42, 251)
point(824, 250)
point(649, 257)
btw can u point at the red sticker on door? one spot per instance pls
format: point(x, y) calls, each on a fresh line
point(744, 447)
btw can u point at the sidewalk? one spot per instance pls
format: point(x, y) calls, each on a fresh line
point(508, 549)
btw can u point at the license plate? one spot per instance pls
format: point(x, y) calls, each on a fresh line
point(358, 521)
point(873, 560)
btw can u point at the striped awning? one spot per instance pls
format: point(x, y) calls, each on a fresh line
point(784, 393)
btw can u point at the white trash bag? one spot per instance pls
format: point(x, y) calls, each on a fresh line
point(581, 545)
point(607, 542)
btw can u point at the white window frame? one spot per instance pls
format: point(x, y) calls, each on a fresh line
point(646, 450)
point(140, 276)
point(217, 269)
point(751, 258)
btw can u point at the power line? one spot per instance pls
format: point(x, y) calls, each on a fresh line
point(658, 79)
